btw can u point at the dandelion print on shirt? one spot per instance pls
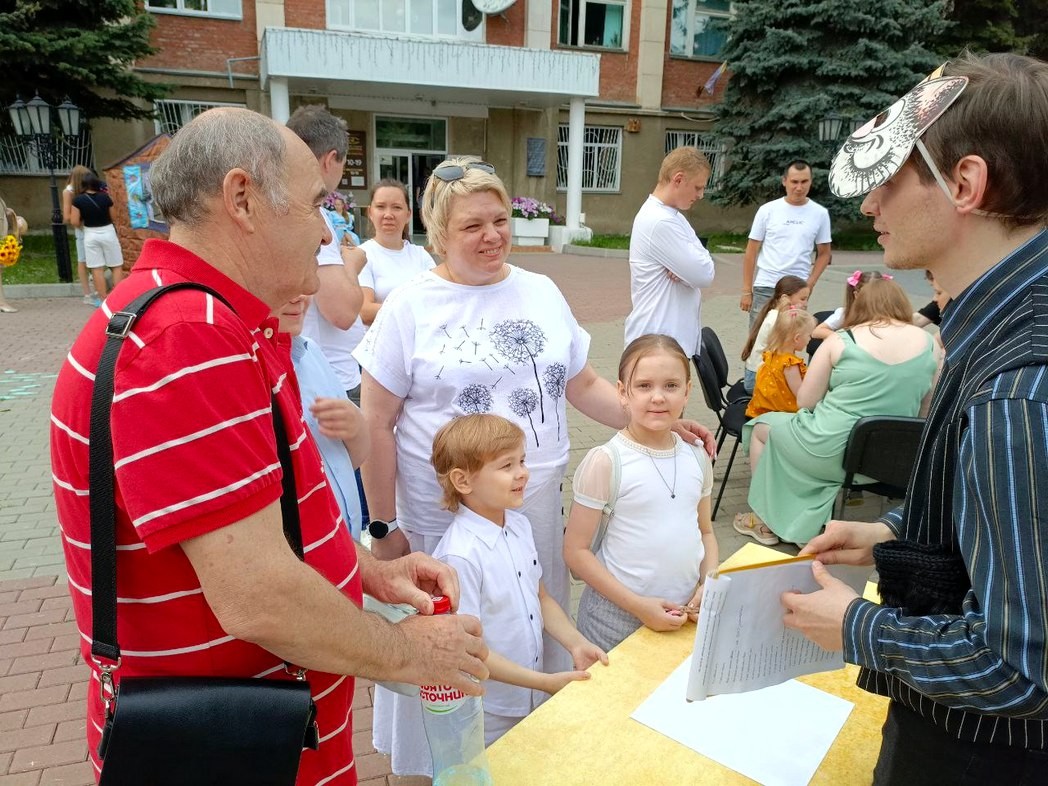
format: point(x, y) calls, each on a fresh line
point(521, 341)
point(523, 402)
point(553, 380)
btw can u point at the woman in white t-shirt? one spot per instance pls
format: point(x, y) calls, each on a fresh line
point(74, 188)
point(392, 257)
point(472, 335)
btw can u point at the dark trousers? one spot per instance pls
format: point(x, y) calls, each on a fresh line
point(914, 752)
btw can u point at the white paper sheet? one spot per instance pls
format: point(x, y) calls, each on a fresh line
point(741, 643)
point(777, 736)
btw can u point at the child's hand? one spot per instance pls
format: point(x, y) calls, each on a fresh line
point(554, 682)
point(660, 615)
point(586, 653)
point(337, 417)
point(694, 603)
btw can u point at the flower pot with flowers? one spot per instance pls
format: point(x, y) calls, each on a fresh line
point(530, 220)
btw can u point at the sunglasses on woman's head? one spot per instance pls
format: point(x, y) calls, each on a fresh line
point(448, 172)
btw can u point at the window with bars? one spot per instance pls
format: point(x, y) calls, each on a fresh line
point(172, 115)
point(18, 157)
point(698, 28)
point(229, 9)
point(711, 148)
point(603, 23)
point(601, 158)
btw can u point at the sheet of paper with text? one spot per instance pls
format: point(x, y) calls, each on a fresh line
point(741, 643)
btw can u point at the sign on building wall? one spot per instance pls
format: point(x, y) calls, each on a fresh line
point(355, 173)
point(536, 157)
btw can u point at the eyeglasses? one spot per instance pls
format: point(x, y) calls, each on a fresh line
point(449, 172)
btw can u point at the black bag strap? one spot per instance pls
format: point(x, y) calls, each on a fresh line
point(102, 500)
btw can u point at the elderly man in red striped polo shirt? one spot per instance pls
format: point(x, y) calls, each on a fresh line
point(207, 582)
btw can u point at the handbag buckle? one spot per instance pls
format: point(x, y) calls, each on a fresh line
point(295, 671)
point(120, 323)
point(105, 680)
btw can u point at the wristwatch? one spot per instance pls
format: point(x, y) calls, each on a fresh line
point(378, 529)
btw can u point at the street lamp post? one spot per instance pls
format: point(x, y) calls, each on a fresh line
point(32, 122)
point(833, 125)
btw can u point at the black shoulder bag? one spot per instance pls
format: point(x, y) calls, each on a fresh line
point(184, 730)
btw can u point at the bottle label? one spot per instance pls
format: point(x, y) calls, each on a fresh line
point(441, 699)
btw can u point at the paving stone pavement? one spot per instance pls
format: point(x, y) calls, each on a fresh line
point(42, 680)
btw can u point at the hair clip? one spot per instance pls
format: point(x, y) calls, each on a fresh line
point(853, 279)
point(887, 276)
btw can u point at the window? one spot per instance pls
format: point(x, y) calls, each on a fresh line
point(712, 149)
point(601, 158)
point(229, 9)
point(172, 115)
point(592, 23)
point(699, 28)
point(19, 158)
point(413, 17)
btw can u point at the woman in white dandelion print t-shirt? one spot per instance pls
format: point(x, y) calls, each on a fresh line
point(474, 334)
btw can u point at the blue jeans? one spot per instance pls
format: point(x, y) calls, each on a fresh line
point(761, 295)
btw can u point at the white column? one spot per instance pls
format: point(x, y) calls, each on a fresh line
point(576, 125)
point(279, 102)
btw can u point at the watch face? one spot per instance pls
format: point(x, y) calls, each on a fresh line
point(378, 529)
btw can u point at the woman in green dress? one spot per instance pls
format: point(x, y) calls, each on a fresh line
point(878, 364)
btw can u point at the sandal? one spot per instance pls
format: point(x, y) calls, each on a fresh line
point(749, 524)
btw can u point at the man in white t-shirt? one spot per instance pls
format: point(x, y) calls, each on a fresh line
point(669, 266)
point(332, 319)
point(781, 240)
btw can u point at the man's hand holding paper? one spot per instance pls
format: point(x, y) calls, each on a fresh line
point(819, 615)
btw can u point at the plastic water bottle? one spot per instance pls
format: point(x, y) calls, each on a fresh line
point(455, 729)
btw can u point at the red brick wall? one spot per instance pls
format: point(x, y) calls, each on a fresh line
point(200, 43)
point(305, 13)
point(618, 70)
point(683, 80)
point(507, 29)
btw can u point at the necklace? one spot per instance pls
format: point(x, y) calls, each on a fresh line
point(672, 489)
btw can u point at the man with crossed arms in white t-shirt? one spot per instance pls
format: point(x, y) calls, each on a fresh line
point(781, 240)
point(669, 266)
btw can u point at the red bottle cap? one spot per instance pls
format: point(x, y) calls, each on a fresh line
point(441, 604)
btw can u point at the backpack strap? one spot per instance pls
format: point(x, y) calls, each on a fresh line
point(613, 495)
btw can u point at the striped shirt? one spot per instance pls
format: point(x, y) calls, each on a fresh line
point(979, 488)
point(194, 450)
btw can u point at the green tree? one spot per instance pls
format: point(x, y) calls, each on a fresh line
point(83, 49)
point(1032, 24)
point(794, 62)
point(982, 26)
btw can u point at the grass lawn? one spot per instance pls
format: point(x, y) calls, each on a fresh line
point(37, 264)
point(727, 243)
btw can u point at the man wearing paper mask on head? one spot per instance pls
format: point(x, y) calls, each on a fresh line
point(954, 177)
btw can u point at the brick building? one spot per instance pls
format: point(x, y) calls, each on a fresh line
point(574, 101)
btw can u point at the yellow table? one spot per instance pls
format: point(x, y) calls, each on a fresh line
point(584, 735)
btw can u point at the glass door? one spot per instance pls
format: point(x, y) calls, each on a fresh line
point(422, 165)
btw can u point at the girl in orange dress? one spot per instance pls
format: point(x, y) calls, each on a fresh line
point(779, 377)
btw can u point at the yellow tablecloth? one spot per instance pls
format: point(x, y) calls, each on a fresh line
point(584, 735)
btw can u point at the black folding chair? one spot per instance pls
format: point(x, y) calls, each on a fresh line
point(730, 416)
point(882, 448)
point(820, 317)
point(711, 345)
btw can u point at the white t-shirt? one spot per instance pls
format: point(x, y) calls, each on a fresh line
point(387, 269)
point(756, 358)
point(662, 240)
point(788, 234)
point(836, 319)
point(499, 573)
point(450, 349)
point(336, 344)
point(653, 545)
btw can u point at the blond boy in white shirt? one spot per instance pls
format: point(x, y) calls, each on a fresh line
point(479, 461)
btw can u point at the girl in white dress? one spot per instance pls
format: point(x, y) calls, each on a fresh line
point(659, 544)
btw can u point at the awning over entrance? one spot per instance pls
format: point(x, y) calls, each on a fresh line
point(442, 69)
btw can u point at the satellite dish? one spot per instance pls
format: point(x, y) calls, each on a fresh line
point(492, 6)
